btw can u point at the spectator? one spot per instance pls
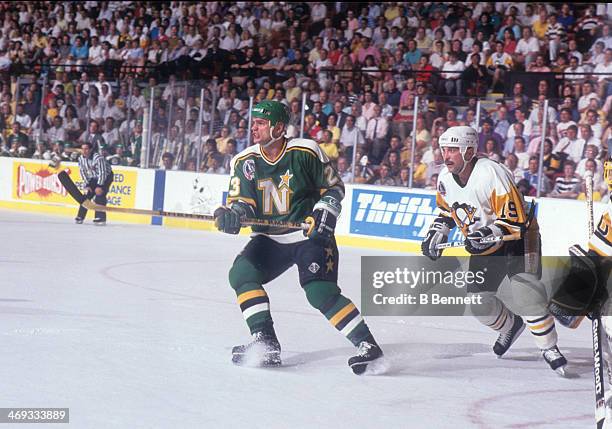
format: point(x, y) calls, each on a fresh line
point(570, 147)
point(512, 164)
point(586, 134)
point(343, 169)
point(18, 142)
point(525, 188)
point(111, 132)
point(475, 78)
point(532, 177)
point(57, 132)
point(168, 161)
point(451, 75)
point(539, 66)
point(492, 151)
point(526, 49)
point(488, 133)
point(568, 185)
point(376, 134)
point(556, 37)
point(498, 64)
point(588, 94)
point(385, 178)
point(349, 136)
point(403, 179)
point(328, 145)
point(590, 153)
point(521, 154)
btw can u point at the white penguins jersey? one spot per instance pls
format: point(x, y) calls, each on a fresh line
point(601, 240)
point(490, 196)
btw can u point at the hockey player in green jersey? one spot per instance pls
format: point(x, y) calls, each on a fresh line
point(287, 180)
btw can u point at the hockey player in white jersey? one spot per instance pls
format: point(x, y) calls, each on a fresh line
point(479, 196)
point(586, 290)
point(601, 245)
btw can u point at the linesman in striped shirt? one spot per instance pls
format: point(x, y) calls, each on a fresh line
point(97, 174)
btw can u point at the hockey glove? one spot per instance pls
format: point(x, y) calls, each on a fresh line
point(229, 219)
point(579, 293)
point(437, 234)
point(483, 239)
point(322, 221)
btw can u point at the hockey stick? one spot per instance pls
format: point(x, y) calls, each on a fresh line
point(598, 368)
point(76, 194)
point(484, 240)
point(487, 240)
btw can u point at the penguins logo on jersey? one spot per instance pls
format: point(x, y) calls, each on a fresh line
point(248, 168)
point(464, 216)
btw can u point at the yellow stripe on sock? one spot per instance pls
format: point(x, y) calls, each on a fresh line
point(545, 324)
point(250, 295)
point(340, 314)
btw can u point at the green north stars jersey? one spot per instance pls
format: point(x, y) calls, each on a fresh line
point(285, 189)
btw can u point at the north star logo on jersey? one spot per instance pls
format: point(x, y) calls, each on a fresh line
point(273, 196)
point(248, 168)
point(463, 214)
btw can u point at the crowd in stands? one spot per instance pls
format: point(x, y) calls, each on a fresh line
point(87, 71)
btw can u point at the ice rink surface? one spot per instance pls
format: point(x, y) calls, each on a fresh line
point(131, 326)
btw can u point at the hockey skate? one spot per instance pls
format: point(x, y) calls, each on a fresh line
point(78, 220)
point(99, 222)
point(263, 351)
point(556, 360)
point(367, 353)
point(506, 339)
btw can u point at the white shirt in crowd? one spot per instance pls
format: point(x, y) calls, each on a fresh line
point(449, 69)
point(573, 148)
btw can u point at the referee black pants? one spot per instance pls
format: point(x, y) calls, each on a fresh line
point(98, 199)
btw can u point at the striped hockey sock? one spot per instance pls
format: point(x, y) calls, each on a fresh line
point(345, 317)
point(495, 315)
point(255, 306)
point(543, 330)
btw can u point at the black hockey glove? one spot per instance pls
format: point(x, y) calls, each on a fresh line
point(229, 219)
point(322, 221)
point(580, 293)
point(483, 239)
point(437, 234)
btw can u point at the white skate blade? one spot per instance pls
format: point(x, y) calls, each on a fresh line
point(562, 371)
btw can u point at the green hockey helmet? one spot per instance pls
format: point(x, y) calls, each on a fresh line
point(274, 111)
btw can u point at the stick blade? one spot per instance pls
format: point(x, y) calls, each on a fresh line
point(70, 187)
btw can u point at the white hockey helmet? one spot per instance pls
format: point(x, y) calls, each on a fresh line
point(460, 136)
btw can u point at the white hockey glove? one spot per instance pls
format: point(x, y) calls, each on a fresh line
point(437, 234)
point(483, 239)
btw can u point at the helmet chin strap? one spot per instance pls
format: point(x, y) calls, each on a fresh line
point(272, 139)
point(465, 161)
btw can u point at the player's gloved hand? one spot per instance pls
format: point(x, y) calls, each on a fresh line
point(483, 239)
point(229, 219)
point(322, 220)
point(437, 234)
